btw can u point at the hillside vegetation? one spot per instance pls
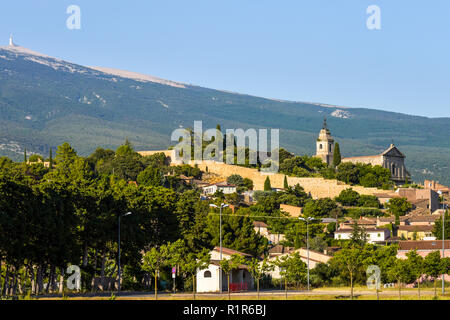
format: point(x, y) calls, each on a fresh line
point(46, 102)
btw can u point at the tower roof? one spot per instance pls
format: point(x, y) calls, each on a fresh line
point(324, 123)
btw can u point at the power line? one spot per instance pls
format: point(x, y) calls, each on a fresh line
point(252, 217)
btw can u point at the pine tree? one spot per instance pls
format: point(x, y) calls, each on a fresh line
point(286, 186)
point(337, 155)
point(267, 186)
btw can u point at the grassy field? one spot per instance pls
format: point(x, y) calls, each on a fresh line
point(342, 293)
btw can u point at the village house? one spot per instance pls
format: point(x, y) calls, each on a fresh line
point(363, 222)
point(373, 235)
point(423, 248)
point(315, 258)
point(225, 187)
point(436, 186)
point(410, 220)
point(263, 229)
point(214, 279)
point(426, 199)
point(415, 232)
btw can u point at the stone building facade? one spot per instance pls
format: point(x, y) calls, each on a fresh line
point(391, 159)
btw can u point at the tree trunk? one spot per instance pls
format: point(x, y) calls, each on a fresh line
point(6, 281)
point(156, 285)
point(61, 280)
point(49, 280)
point(285, 287)
point(418, 286)
point(94, 287)
point(32, 279)
point(193, 285)
point(257, 287)
point(40, 279)
point(102, 273)
point(228, 277)
point(351, 286)
point(13, 283)
point(399, 290)
point(435, 292)
point(85, 255)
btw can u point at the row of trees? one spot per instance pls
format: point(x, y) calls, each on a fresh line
point(67, 214)
point(351, 263)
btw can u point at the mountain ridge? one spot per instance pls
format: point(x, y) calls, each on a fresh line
point(46, 101)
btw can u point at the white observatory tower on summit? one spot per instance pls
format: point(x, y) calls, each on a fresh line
point(11, 42)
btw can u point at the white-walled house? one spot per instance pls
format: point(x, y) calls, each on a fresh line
point(263, 229)
point(213, 279)
point(373, 235)
point(315, 258)
point(225, 187)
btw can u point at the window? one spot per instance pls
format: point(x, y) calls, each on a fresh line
point(329, 146)
point(207, 274)
point(320, 146)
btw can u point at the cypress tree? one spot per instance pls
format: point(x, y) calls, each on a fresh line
point(51, 159)
point(286, 186)
point(337, 155)
point(25, 156)
point(267, 186)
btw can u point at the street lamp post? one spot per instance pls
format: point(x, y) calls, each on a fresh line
point(118, 255)
point(307, 244)
point(223, 205)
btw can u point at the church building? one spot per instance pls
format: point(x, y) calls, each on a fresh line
point(392, 158)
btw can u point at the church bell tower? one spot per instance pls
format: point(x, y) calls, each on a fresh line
point(325, 144)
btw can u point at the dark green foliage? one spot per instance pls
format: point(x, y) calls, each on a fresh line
point(238, 234)
point(60, 109)
point(348, 197)
point(267, 186)
point(319, 208)
point(285, 183)
point(364, 174)
point(437, 229)
point(351, 198)
point(398, 207)
point(188, 171)
point(150, 177)
point(336, 155)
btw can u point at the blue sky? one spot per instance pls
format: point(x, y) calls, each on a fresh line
point(313, 51)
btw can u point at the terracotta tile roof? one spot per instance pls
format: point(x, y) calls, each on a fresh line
point(231, 251)
point(217, 263)
point(280, 249)
point(423, 218)
point(416, 228)
point(422, 245)
point(259, 224)
point(366, 229)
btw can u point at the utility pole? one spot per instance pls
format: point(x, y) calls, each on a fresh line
point(307, 244)
point(443, 245)
point(223, 205)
